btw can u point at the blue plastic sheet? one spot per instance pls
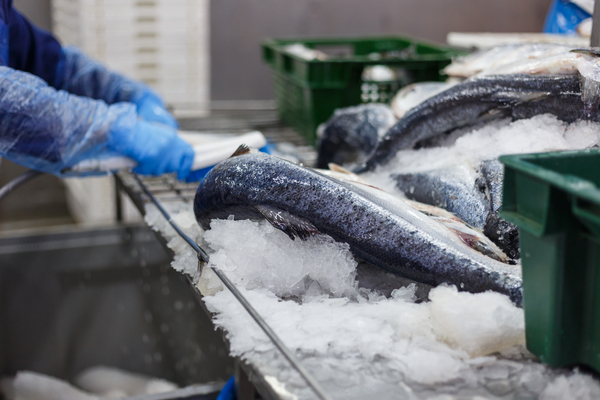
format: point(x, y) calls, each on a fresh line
point(228, 392)
point(563, 17)
point(49, 130)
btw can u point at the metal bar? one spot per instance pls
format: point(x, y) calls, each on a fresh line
point(118, 201)
point(18, 181)
point(273, 336)
point(197, 249)
point(238, 295)
point(595, 39)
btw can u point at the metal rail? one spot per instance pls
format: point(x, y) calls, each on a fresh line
point(203, 259)
point(18, 181)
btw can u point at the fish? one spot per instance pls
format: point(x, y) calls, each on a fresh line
point(470, 235)
point(477, 100)
point(352, 133)
point(378, 228)
point(499, 56)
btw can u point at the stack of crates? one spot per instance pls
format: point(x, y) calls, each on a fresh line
point(164, 43)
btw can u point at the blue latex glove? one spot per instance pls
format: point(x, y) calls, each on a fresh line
point(151, 108)
point(156, 148)
point(49, 130)
point(81, 75)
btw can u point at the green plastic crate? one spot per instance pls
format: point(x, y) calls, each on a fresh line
point(554, 199)
point(308, 91)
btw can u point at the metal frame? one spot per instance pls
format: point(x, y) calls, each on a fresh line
point(167, 189)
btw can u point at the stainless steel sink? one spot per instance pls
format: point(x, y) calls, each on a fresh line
point(78, 298)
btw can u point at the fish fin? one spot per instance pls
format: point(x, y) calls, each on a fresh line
point(593, 51)
point(290, 224)
point(338, 168)
point(243, 149)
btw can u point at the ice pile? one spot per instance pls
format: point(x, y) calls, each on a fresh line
point(257, 256)
point(365, 342)
point(363, 333)
point(541, 133)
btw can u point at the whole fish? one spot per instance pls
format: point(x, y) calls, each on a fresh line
point(378, 228)
point(352, 133)
point(474, 101)
point(499, 56)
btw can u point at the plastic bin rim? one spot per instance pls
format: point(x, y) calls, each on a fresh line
point(446, 52)
point(572, 184)
point(345, 39)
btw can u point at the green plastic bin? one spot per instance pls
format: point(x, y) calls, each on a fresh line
point(308, 91)
point(554, 199)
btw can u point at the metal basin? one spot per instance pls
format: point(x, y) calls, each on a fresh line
point(78, 298)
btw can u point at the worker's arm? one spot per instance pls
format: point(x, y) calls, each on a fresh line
point(51, 130)
point(36, 51)
point(79, 74)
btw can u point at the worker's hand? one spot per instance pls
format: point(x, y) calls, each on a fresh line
point(151, 108)
point(156, 148)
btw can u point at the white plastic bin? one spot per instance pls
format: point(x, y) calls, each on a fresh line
point(162, 42)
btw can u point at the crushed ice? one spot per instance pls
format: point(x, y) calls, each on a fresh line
point(377, 340)
point(541, 133)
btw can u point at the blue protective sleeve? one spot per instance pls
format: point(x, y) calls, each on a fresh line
point(81, 75)
point(49, 130)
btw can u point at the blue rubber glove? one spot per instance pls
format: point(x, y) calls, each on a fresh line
point(156, 148)
point(151, 108)
point(81, 75)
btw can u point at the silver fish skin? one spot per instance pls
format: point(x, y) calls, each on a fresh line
point(455, 189)
point(474, 101)
point(499, 56)
point(379, 229)
point(469, 235)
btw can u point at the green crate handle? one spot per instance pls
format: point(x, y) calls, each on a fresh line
point(587, 214)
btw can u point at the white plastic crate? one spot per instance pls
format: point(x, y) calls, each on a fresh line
point(164, 43)
point(92, 200)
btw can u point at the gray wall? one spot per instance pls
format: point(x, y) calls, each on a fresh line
point(38, 11)
point(238, 27)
